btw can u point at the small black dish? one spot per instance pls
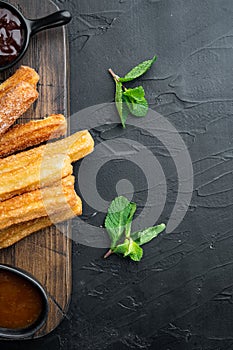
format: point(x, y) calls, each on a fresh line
point(33, 26)
point(26, 333)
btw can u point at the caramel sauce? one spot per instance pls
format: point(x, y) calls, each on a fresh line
point(20, 302)
point(11, 36)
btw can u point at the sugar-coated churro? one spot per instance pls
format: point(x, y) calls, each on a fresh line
point(23, 136)
point(14, 103)
point(24, 73)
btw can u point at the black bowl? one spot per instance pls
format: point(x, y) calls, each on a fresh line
point(28, 332)
point(33, 26)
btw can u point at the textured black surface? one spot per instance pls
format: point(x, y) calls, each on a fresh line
point(181, 295)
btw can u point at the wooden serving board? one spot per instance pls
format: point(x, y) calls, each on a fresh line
point(46, 254)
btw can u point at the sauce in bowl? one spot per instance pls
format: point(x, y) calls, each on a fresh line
point(21, 303)
point(11, 36)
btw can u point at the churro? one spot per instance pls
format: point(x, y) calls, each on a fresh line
point(23, 136)
point(25, 74)
point(37, 174)
point(14, 103)
point(15, 233)
point(39, 203)
point(75, 146)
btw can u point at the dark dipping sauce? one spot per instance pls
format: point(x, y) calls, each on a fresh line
point(11, 36)
point(20, 302)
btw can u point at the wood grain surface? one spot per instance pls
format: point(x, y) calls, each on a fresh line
point(46, 254)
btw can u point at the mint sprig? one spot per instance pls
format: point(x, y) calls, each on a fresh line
point(118, 224)
point(131, 100)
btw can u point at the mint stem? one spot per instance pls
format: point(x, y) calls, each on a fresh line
point(109, 252)
point(115, 77)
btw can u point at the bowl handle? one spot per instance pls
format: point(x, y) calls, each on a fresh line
point(54, 20)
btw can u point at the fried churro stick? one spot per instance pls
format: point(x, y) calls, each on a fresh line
point(25, 74)
point(20, 137)
point(37, 174)
point(78, 145)
point(14, 103)
point(39, 203)
point(15, 233)
point(75, 146)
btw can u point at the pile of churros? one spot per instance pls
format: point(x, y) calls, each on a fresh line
point(36, 183)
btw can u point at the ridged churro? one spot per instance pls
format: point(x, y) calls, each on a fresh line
point(38, 174)
point(75, 146)
point(23, 136)
point(15, 233)
point(39, 203)
point(25, 74)
point(14, 103)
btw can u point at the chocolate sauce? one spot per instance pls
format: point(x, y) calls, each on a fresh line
point(11, 36)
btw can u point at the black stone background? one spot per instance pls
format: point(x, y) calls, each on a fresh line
point(180, 296)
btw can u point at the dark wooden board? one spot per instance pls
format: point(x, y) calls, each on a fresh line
point(46, 254)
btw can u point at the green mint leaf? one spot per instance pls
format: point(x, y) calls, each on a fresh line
point(139, 70)
point(136, 93)
point(145, 236)
point(118, 100)
point(136, 102)
point(129, 248)
point(138, 109)
point(122, 248)
point(118, 217)
point(121, 107)
point(125, 113)
point(135, 252)
point(129, 221)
